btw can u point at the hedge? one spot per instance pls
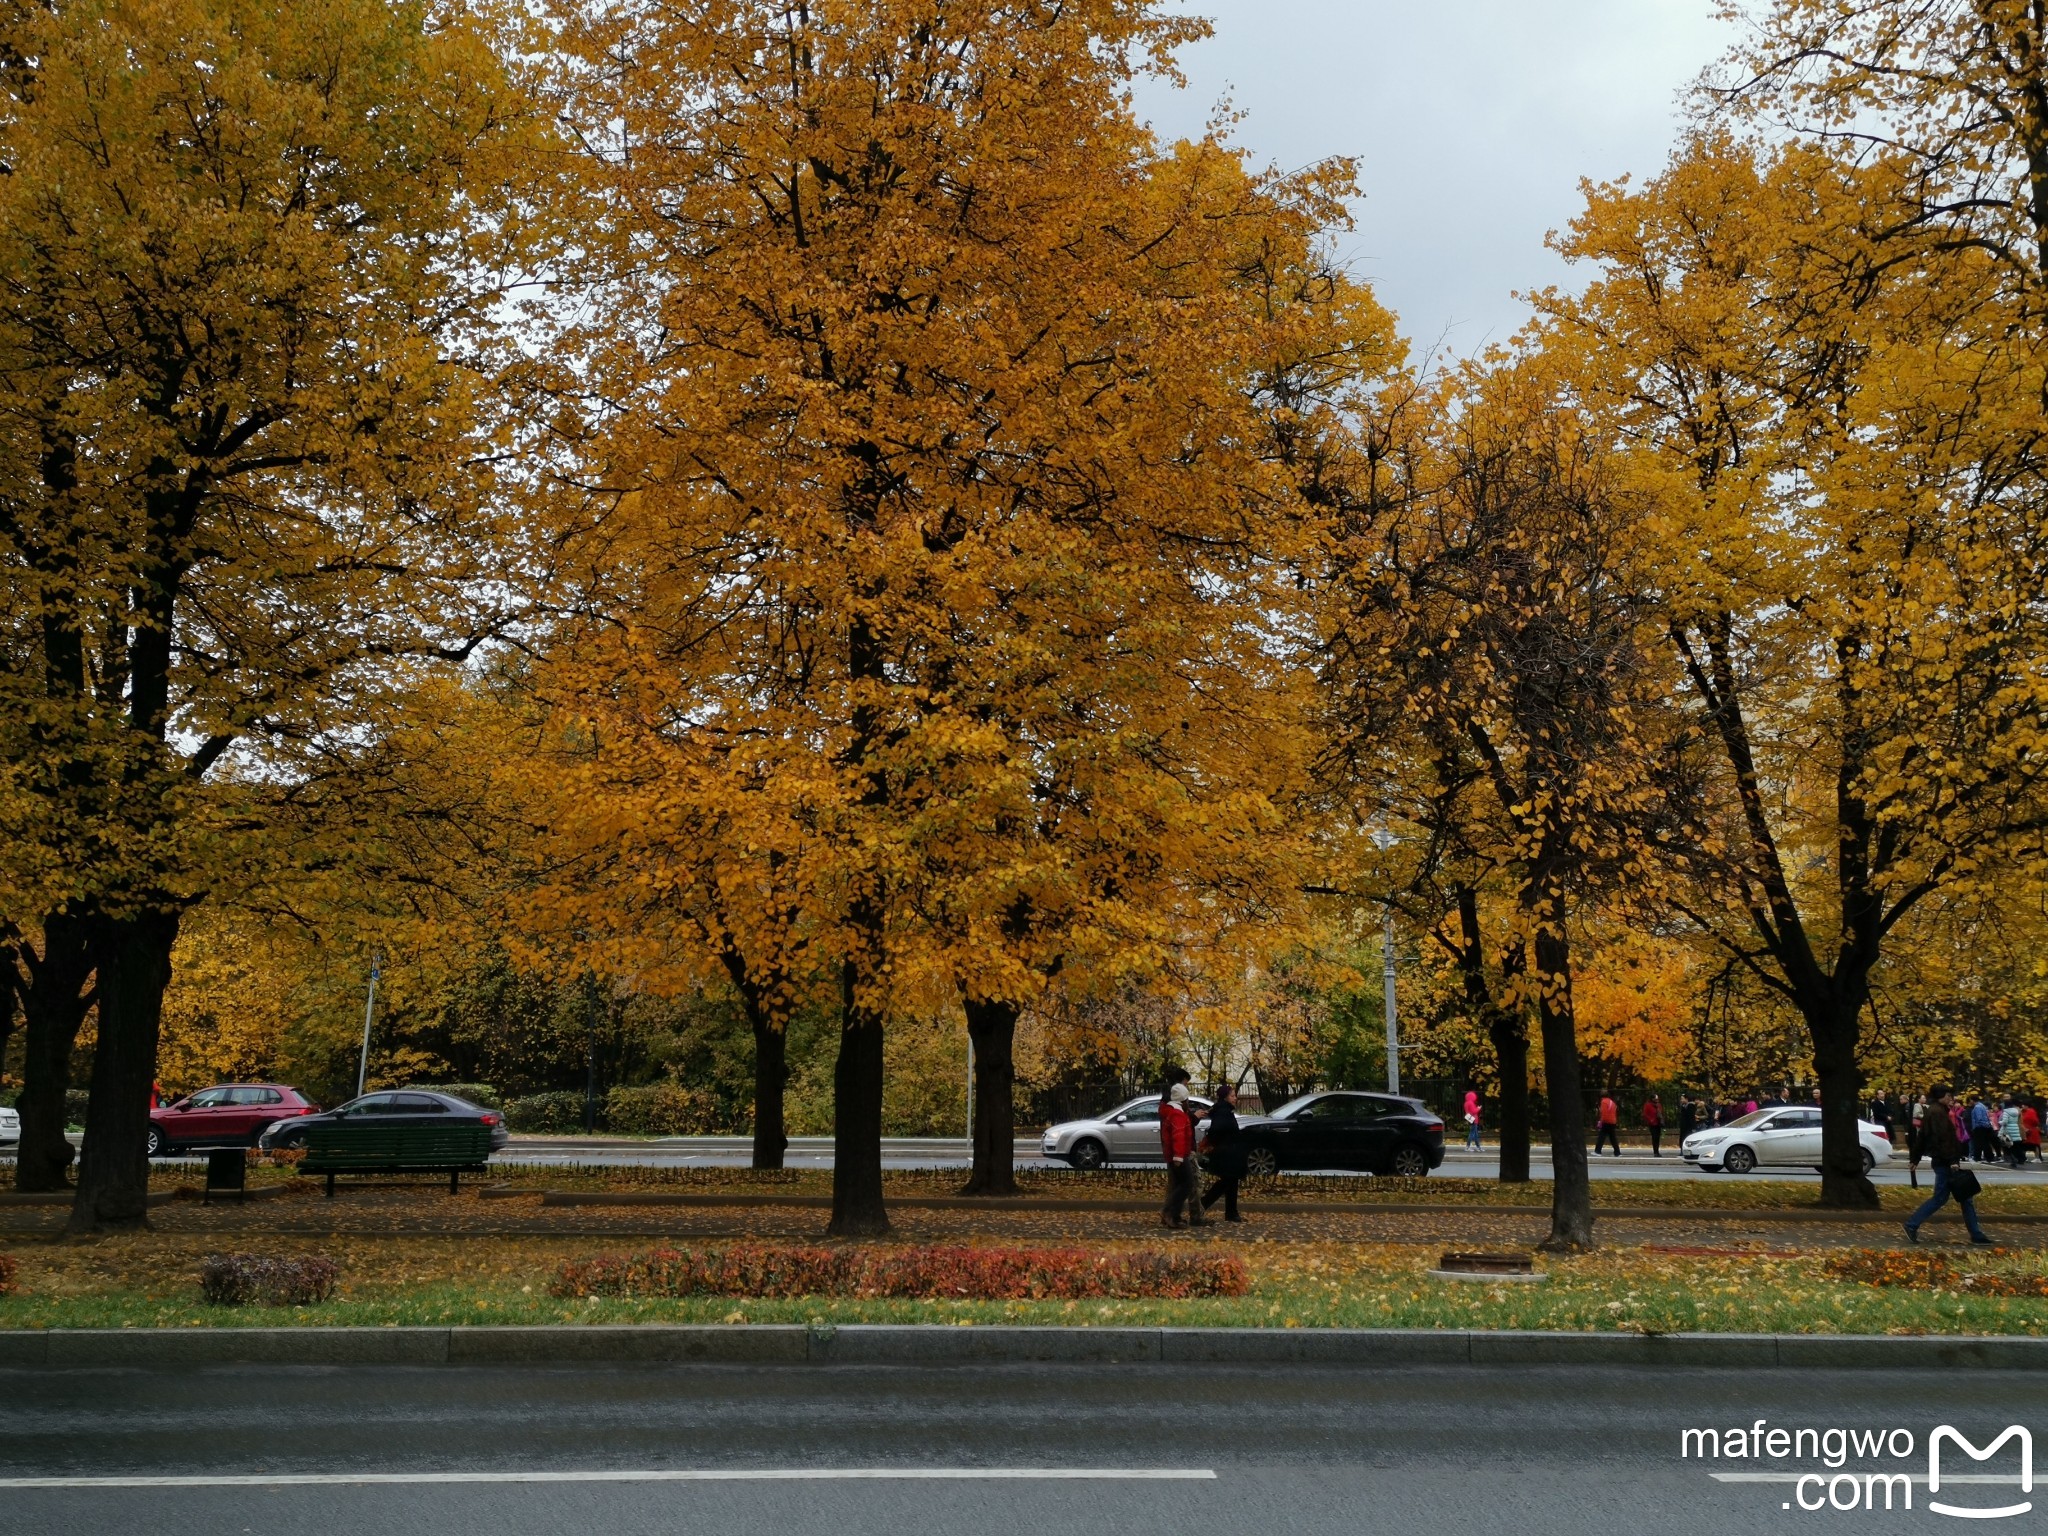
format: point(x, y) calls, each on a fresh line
point(545, 1112)
point(661, 1109)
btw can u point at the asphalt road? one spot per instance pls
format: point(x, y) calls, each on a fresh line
point(1025, 1451)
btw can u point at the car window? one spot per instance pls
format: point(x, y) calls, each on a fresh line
point(1142, 1111)
point(1293, 1107)
point(1807, 1119)
point(258, 1096)
point(211, 1098)
point(374, 1104)
point(419, 1104)
point(1342, 1109)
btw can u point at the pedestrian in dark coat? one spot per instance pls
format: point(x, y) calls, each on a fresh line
point(1943, 1146)
point(1225, 1150)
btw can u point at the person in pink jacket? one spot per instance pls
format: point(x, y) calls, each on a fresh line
point(1472, 1119)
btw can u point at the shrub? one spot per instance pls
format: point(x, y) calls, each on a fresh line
point(10, 1271)
point(980, 1274)
point(232, 1279)
point(554, 1112)
point(75, 1100)
point(660, 1109)
point(483, 1095)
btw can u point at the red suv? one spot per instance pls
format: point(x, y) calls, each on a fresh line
point(232, 1115)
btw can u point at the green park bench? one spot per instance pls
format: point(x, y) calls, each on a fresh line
point(450, 1149)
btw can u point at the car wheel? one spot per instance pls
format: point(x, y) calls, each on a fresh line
point(1261, 1163)
point(1089, 1155)
point(1869, 1162)
point(1410, 1162)
point(156, 1145)
point(1739, 1160)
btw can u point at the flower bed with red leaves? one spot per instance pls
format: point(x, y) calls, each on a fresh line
point(1932, 1272)
point(9, 1270)
point(980, 1274)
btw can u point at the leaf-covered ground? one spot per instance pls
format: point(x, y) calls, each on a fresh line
point(151, 1280)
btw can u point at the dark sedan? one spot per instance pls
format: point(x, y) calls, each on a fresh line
point(1370, 1132)
point(405, 1106)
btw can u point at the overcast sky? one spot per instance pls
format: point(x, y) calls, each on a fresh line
point(1472, 120)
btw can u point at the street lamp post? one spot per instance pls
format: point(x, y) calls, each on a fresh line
point(1393, 1026)
point(369, 1009)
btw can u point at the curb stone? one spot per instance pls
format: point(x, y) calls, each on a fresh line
point(871, 1344)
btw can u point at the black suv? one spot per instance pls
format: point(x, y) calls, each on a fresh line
point(1371, 1132)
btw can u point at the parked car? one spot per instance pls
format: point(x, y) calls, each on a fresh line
point(1369, 1132)
point(10, 1127)
point(403, 1106)
point(1775, 1138)
point(230, 1115)
point(1127, 1134)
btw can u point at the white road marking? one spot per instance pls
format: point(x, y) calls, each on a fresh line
point(1919, 1479)
point(646, 1475)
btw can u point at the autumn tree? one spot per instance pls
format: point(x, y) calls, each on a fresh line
point(940, 474)
point(250, 351)
point(1847, 441)
point(1488, 631)
point(1951, 95)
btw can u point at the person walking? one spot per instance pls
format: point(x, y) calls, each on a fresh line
point(1983, 1135)
point(1942, 1147)
point(1471, 1119)
point(1688, 1118)
point(1177, 1141)
point(2009, 1134)
point(1610, 1126)
point(1881, 1114)
point(2030, 1132)
point(1653, 1121)
point(1225, 1149)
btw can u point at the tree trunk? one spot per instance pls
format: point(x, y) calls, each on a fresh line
point(1511, 1054)
point(53, 1006)
point(8, 992)
point(134, 960)
point(857, 1208)
point(1510, 1037)
point(1571, 1190)
point(992, 1026)
point(1843, 1183)
point(771, 1077)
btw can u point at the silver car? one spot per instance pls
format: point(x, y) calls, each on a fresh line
point(10, 1127)
point(1775, 1138)
point(1127, 1134)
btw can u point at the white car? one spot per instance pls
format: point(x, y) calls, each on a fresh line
point(1127, 1134)
point(10, 1127)
point(1775, 1138)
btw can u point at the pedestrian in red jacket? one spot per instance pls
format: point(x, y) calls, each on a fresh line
point(1653, 1122)
point(1610, 1126)
point(1177, 1141)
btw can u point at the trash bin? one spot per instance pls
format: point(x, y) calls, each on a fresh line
point(227, 1173)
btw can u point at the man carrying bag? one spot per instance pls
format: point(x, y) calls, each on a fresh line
point(1943, 1148)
